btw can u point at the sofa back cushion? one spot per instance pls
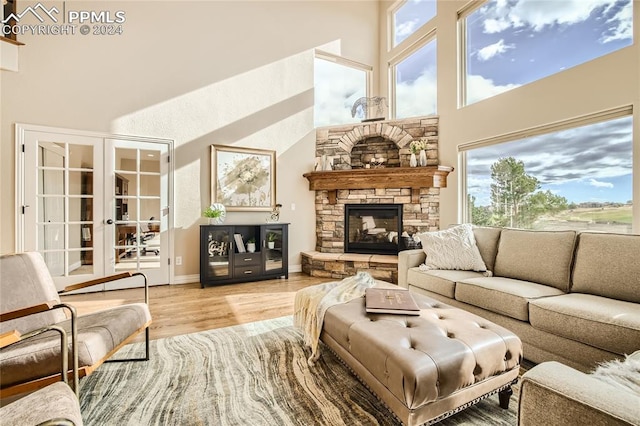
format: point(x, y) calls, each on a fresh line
point(487, 241)
point(543, 257)
point(608, 265)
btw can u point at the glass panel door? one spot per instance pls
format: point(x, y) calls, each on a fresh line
point(138, 209)
point(273, 249)
point(62, 201)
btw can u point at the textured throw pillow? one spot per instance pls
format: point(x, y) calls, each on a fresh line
point(453, 248)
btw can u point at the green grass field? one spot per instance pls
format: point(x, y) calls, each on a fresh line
point(604, 214)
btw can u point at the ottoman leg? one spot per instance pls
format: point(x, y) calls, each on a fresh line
point(504, 396)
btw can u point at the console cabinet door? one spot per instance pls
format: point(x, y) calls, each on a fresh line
point(216, 257)
point(274, 249)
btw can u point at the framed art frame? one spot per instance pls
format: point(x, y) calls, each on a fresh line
point(243, 179)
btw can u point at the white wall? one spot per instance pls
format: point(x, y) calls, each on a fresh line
point(201, 73)
point(607, 82)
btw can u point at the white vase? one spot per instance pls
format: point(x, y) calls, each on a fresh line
point(251, 247)
point(413, 161)
point(423, 158)
point(271, 244)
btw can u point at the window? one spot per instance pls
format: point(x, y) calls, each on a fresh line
point(410, 16)
point(509, 43)
point(579, 178)
point(415, 81)
point(338, 84)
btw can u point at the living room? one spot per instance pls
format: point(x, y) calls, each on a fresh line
point(241, 74)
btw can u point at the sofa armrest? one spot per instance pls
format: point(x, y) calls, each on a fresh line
point(553, 393)
point(408, 259)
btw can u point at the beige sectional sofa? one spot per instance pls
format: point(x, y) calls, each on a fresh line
point(570, 297)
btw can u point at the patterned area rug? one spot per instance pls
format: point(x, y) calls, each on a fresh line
point(253, 374)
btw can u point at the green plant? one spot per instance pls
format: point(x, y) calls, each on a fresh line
point(417, 146)
point(271, 236)
point(209, 212)
point(251, 240)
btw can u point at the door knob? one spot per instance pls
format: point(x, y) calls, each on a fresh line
point(109, 222)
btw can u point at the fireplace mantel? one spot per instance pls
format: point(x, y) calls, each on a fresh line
point(391, 177)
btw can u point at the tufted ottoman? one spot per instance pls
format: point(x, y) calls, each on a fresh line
point(425, 367)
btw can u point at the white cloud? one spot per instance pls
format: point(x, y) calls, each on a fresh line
point(600, 184)
point(479, 88)
point(405, 29)
point(417, 97)
point(622, 28)
point(494, 49)
point(337, 87)
point(539, 14)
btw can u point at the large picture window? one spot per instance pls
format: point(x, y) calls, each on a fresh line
point(338, 84)
point(415, 89)
point(579, 178)
point(410, 16)
point(509, 43)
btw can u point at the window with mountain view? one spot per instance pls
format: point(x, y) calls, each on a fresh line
point(580, 178)
point(509, 43)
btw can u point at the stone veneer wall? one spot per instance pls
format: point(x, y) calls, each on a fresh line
point(351, 146)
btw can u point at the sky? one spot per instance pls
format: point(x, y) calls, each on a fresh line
point(511, 43)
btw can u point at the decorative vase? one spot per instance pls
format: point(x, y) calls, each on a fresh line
point(423, 158)
point(413, 161)
point(251, 247)
point(271, 244)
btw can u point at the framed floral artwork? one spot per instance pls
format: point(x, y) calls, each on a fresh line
point(243, 179)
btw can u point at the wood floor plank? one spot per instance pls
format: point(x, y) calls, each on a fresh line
point(187, 308)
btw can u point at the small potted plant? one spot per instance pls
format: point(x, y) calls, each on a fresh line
point(271, 239)
point(215, 213)
point(251, 245)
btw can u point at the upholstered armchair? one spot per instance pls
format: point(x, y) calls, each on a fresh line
point(30, 302)
point(55, 404)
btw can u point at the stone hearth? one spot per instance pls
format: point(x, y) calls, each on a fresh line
point(350, 148)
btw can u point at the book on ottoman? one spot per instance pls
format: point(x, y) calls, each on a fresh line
point(390, 301)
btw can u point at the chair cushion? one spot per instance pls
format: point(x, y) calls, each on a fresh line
point(502, 295)
point(608, 265)
point(26, 282)
point(439, 281)
point(98, 334)
point(608, 324)
point(542, 257)
point(56, 401)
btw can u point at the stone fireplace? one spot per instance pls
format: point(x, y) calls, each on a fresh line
point(369, 165)
point(372, 228)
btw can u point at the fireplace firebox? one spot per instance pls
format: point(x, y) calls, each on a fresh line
point(372, 228)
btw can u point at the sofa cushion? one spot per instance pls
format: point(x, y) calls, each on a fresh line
point(608, 265)
point(542, 257)
point(439, 281)
point(502, 295)
point(608, 324)
point(487, 241)
point(99, 333)
point(453, 248)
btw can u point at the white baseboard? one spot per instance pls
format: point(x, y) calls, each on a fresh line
point(295, 268)
point(186, 279)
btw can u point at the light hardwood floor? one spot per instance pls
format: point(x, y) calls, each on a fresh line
point(187, 308)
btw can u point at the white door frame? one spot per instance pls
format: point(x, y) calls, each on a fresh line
point(21, 128)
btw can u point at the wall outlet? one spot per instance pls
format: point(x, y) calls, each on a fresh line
point(178, 260)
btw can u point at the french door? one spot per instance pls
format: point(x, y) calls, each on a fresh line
point(92, 205)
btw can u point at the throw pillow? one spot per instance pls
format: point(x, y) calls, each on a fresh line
point(624, 375)
point(453, 248)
